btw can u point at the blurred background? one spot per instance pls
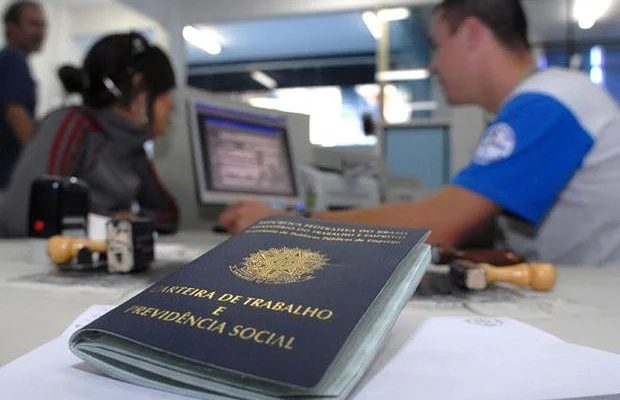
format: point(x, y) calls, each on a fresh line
point(359, 71)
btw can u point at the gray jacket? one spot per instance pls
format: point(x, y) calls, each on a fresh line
point(102, 148)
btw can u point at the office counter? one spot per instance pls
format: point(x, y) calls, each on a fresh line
point(37, 302)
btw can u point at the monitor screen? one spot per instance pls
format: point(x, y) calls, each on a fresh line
point(421, 152)
point(241, 152)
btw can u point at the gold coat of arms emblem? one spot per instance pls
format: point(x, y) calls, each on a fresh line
point(280, 265)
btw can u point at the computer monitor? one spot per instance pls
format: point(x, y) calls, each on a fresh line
point(239, 152)
point(419, 150)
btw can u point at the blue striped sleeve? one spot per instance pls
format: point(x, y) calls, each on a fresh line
point(527, 155)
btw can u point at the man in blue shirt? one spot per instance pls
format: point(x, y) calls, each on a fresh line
point(24, 25)
point(548, 165)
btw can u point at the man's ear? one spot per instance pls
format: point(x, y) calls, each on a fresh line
point(474, 32)
point(9, 29)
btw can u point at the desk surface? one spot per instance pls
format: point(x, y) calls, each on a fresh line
point(37, 302)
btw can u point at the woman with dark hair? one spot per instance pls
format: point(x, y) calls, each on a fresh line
point(125, 84)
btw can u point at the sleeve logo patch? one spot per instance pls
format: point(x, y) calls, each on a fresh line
point(497, 142)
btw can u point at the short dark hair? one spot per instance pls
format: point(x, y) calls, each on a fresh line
point(505, 18)
point(13, 12)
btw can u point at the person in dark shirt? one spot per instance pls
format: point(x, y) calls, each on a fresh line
point(24, 25)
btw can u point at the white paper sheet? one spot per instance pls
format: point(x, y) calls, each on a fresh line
point(490, 358)
point(446, 358)
point(52, 372)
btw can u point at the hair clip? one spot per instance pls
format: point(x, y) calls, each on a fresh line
point(112, 88)
point(138, 45)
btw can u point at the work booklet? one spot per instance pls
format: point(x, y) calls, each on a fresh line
point(290, 307)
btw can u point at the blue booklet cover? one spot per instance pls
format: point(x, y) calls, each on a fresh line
point(276, 302)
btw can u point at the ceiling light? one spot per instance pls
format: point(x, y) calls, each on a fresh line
point(205, 39)
point(587, 12)
point(597, 60)
point(390, 90)
point(264, 79)
point(373, 20)
point(393, 14)
point(597, 75)
point(368, 90)
point(596, 56)
point(396, 108)
point(402, 75)
point(372, 23)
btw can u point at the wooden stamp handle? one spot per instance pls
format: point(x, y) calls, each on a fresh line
point(61, 249)
point(538, 276)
